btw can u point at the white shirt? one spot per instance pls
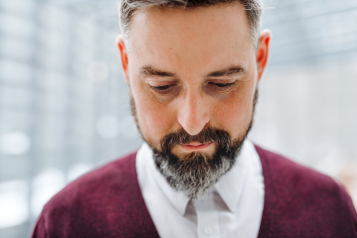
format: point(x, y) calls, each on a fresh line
point(233, 207)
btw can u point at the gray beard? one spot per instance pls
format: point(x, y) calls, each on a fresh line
point(193, 181)
point(195, 173)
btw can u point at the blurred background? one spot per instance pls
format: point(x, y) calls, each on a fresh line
point(64, 104)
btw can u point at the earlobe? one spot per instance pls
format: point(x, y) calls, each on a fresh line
point(263, 52)
point(123, 56)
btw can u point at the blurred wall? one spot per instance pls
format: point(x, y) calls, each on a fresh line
point(64, 104)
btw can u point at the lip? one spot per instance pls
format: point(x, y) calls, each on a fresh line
point(195, 146)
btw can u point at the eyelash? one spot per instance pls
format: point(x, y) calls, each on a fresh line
point(223, 85)
point(163, 89)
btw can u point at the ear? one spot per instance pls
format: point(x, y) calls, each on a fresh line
point(263, 52)
point(123, 57)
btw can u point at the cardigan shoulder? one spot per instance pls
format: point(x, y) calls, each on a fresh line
point(104, 183)
point(291, 177)
point(302, 199)
point(105, 202)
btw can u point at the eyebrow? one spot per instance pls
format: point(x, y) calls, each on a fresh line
point(151, 71)
point(228, 71)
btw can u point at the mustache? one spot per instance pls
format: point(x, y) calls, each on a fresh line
point(207, 135)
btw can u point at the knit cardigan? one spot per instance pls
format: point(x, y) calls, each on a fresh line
point(107, 202)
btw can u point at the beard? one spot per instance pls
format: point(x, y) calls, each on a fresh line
point(194, 173)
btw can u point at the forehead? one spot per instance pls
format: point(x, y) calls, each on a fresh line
point(199, 36)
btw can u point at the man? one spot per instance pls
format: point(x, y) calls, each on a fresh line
point(193, 67)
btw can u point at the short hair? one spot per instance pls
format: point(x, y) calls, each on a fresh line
point(253, 10)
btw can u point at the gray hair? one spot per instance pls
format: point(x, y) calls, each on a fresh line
point(253, 9)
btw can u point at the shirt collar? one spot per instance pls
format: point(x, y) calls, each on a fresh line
point(178, 199)
point(229, 186)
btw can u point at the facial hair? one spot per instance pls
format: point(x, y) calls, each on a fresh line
point(194, 173)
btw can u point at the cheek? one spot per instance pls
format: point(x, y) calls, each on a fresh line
point(235, 114)
point(155, 119)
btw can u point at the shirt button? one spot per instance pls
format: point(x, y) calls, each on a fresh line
point(208, 230)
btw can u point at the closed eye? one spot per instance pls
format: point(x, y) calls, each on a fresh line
point(222, 85)
point(162, 89)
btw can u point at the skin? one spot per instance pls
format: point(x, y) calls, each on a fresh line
point(191, 69)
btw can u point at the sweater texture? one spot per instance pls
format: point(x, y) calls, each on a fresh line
point(107, 202)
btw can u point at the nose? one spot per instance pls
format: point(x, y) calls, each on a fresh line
point(193, 114)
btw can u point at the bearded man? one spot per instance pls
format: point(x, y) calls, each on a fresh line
point(193, 67)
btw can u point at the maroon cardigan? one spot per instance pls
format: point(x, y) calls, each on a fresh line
point(107, 202)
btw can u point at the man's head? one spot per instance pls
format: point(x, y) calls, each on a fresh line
point(193, 73)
